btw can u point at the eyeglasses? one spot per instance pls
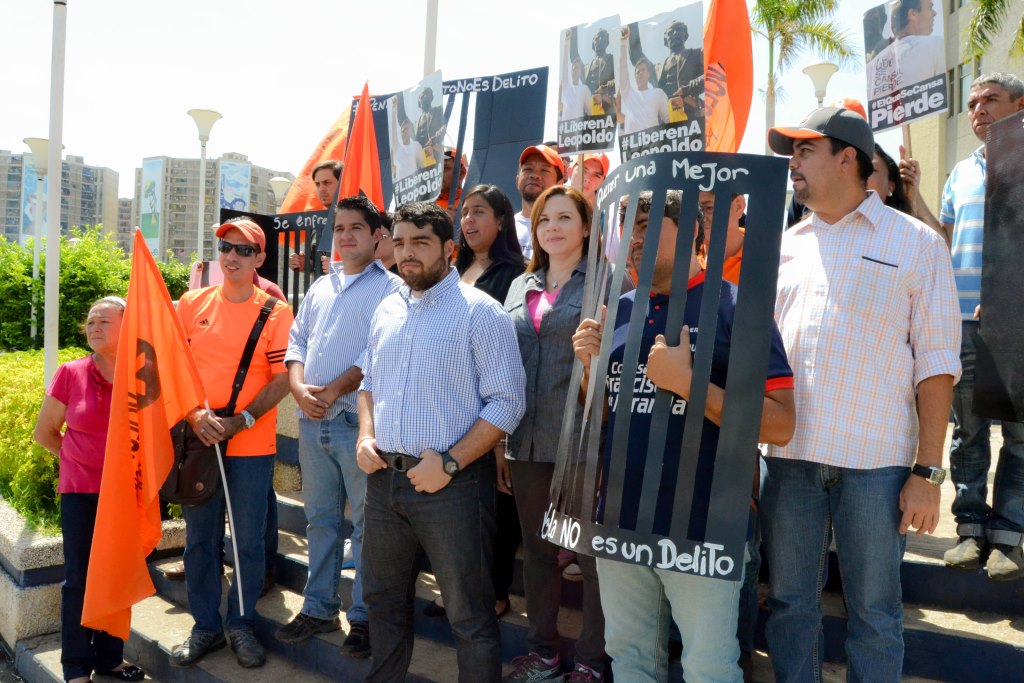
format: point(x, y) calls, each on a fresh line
point(243, 250)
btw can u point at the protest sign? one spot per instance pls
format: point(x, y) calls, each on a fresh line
point(680, 500)
point(586, 87)
point(999, 366)
point(661, 84)
point(416, 125)
point(906, 63)
point(235, 180)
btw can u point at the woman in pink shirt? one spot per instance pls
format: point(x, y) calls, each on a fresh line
point(79, 398)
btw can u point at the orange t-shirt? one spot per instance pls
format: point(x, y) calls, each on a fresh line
point(731, 267)
point(217, 331)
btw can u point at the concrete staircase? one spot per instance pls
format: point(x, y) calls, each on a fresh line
point(958, 625)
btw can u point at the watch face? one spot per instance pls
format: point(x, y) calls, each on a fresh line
point(451, 468)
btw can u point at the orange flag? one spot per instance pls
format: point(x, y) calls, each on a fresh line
point(728, 74)
point(302, 195)
point(362, 163)
point(155, 385)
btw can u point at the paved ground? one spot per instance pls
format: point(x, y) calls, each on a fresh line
point(7, 671)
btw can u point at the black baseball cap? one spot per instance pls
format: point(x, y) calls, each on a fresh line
point(844, 125)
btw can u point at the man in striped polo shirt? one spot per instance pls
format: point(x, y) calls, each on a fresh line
point(995, 529)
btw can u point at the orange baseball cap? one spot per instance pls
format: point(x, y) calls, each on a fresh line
point(252, 232)
point(600, 158)
point(550, 156)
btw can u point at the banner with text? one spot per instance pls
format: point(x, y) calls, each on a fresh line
point(668, 489)
point(661, 84)
point(416, 125)
point(905, 53)
point(586, 87)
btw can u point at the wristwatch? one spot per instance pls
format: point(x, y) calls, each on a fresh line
point(249, 419)
point(933, 475)
point(450, 464)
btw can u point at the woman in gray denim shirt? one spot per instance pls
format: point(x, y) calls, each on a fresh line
point(545, 304)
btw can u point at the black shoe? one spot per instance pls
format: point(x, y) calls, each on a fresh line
point(357, 643)
point(247, 649)
point(129, 672)
point(303, 627)
point(197, 646)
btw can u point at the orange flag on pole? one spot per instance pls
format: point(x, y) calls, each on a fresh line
point(302, 195)
point(155, 385)
point(362, 162)
point(728, 74)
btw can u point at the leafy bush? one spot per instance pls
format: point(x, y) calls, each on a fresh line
point(28, 473)
point(175, 274)
point(15, 295)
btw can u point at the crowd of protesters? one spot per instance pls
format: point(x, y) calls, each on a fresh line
point(431, 370)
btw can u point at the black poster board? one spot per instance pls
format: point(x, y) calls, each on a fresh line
point(571, 520)
point(999, 366)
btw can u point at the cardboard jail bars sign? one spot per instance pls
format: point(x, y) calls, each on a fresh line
point(999, 366)
point(572, 519)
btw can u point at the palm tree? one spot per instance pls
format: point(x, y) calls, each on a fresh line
point(985, 22)
point(791, 27)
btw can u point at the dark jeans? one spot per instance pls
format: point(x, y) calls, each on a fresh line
point(970, 457)
point(542, 579)
point(82, 650)
point(506, 542)
point(455, 528)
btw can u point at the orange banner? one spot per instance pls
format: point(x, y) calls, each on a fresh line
point(361, 173)
point(155, 385)
point(728, 74)
point(302, 195)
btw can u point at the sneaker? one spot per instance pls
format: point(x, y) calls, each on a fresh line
point(303, 627)
point(1005, 562)
point(174, 571)
point(532, 668)
point(346, 556)
point(197, 646)
point(582, 674)
point(357, 642)
point(247, 649)
point(966, 554)
point(572, 572)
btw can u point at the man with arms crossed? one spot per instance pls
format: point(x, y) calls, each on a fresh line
point(443, 383)
point(867, 309)
point(326, 350)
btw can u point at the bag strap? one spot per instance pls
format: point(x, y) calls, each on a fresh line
point(247, 353)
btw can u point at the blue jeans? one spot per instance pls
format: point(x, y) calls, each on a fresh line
point(970, 457)
point(455, 527)
point(637, 604)
point(802, 505)
point(330, 476)
point(82, 650)
point(248, 479)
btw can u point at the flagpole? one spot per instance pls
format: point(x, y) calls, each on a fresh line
point(231, 523)
point(430, 41)
point(52, 286)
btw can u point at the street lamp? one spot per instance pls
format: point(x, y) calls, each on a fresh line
point(280, 186)
point(204, 118)
point(820, 73)
point(40, 150)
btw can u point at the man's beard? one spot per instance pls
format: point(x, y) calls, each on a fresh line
point(427, 277)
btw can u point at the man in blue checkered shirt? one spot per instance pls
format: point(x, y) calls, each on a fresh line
point(443, 382)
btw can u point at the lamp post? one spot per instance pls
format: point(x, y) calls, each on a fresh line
point(204, 118)
point(280, 186)
point(40, 150)
point(820, 73)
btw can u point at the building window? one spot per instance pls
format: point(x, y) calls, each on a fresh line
point(965, 75)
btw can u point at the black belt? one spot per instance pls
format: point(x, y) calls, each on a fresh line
point(399, 462)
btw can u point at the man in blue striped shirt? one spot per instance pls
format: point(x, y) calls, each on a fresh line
point(325, 358)
point(442, 384)
point(981, 528)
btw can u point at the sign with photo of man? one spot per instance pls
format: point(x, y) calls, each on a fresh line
point(906, 63)
point(416, 135)
point(586, 87)
point(661, 84)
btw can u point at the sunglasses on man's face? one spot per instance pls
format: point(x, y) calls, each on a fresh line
point(243, 250)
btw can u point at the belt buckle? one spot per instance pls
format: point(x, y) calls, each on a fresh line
point(398, 463)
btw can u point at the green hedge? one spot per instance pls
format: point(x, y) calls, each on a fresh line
point(91, 266)
point(28, 473)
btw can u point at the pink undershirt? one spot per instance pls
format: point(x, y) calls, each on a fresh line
point(86, 395)
point(540, 302)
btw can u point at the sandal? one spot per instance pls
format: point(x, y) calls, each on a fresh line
point(129, 672)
